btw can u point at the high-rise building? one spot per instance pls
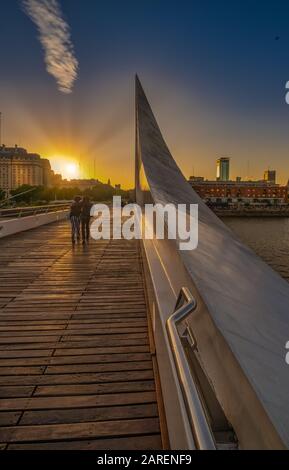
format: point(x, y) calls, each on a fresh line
point(18, 167)
point(270, 176)
point(223, 169)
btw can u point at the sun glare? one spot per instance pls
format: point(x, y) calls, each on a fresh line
point(71, 170)
point(67, 168)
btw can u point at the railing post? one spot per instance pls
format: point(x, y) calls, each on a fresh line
point(200, 426)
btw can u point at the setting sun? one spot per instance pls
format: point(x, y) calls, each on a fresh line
point(71, 170)
point(64, 165)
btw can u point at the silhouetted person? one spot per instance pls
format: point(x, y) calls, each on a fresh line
point(75, 213)
point(85, 219)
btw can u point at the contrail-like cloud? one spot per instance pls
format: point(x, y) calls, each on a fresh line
point(54, 35)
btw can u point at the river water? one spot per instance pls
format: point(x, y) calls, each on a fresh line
point(267, 236)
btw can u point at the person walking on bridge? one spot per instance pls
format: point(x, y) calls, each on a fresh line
point(85, 219)
point(75, 213)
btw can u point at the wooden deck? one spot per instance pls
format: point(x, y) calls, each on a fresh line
point(76, 371)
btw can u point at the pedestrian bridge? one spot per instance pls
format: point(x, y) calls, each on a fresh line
point(77, 361)
point(135, 344)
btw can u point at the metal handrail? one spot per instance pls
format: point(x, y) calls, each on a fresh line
point(200, 426)
point(26, 211)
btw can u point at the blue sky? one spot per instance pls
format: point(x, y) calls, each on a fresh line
point(213, 70)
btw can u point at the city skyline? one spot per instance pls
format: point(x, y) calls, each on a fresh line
point(18, 167)
point(71, 170)
point(222, 68)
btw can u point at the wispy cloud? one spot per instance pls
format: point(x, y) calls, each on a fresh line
point(54, 35)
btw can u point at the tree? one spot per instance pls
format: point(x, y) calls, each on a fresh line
point(2, 194)
point(40, 194)
point(26, 193)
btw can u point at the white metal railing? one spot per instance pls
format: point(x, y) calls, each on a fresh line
point(19, 212)
point(200, 426)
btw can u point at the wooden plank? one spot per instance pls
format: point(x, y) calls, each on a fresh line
point(29, 339)
point(81, 401)
point(85, 415)
point(67, 360)
point(90, 331)
point(75, 363)
point(9, 418)
point(102, 350)
point(22, 353)
point(84, 368)
point(21, 370)
point(102, 337)
point(99, 342)
point(150, 442)
point(29, 353)
point(73, 324)
point(16, 391)
point(79, 430)
point(85, 389)
point(81, 378)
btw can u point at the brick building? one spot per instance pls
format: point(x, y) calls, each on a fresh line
point(238, 192)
